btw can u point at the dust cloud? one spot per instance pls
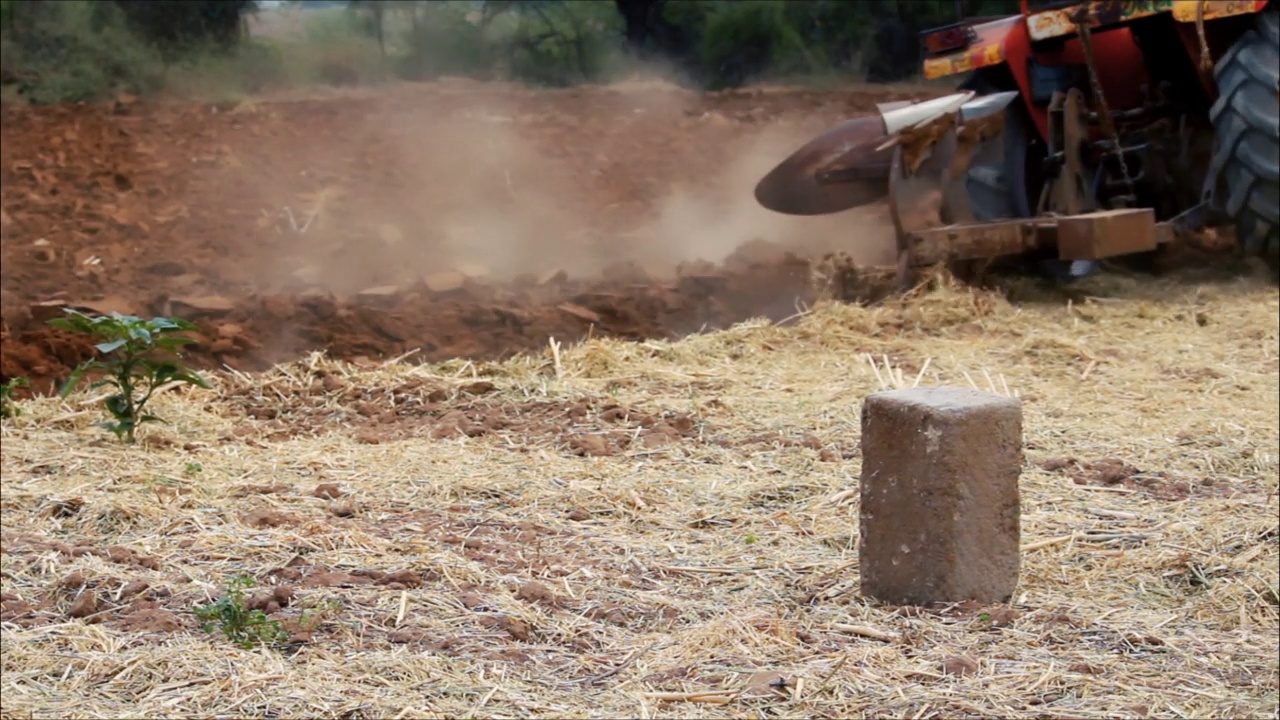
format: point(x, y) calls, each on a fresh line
point(429, 181)
point(712, 222)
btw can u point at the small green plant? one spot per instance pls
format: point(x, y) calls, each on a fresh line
point(7, 408)
point(313, 617)
point(242, 626)
point(134, 366)
point(192, 469)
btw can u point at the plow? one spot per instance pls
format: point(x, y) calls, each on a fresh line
point(1081, 133)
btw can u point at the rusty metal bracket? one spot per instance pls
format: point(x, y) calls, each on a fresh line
point(916, 201)
point(1085, 236)
point(1106, 233)
point(1069, 194)
point(917, 142)
point(975, 241)
point(970, 137)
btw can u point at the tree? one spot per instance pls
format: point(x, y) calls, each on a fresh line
point(176, 26)
point(728, 42)
point(662, 28)
point(376, 12)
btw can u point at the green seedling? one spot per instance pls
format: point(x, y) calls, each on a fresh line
point(312, 618)
point(142, 355)
point(7, 408)
point(242, 626)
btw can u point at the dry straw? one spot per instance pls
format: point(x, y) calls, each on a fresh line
point(716, 577)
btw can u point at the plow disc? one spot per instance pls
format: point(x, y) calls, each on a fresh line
point(839, 170)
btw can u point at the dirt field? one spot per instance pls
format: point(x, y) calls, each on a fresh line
point(639, 525)
point(452, 220)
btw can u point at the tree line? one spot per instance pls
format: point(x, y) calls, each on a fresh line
point(68, 49)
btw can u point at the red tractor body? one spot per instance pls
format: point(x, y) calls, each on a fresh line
point(1039, 41)
point(1082, 131)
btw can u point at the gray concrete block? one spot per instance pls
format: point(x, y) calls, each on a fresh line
point(940, 514)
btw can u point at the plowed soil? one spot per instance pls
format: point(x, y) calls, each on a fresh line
point(446, 220)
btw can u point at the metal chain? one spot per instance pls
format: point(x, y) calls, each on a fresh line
point(1104, 112)
point(1206, 60)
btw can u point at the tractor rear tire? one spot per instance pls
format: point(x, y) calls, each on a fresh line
point(1246, 121)
point(1002, 191)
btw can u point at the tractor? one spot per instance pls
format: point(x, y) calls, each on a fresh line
point(1079, 132)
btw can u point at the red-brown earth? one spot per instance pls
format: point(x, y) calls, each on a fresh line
point(447, 220)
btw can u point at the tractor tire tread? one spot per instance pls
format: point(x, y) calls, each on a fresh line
point(1246, 120)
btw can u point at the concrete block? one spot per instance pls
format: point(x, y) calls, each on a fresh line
point(940, 514)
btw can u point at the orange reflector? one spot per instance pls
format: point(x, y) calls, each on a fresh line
point(954, 37)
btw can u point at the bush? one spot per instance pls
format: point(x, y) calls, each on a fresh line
point(534, 41)
point(73, 50)
point(178, 26)
point(564, 43)
point(214, 75)
point(743, 39)
point(446, 38)
point(91, 50)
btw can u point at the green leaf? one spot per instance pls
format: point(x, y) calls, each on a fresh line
point(170, 372)
point(172, 343)
point(72, 380)
point(118, 405)
point(107, 347)
point(162, 372)
point(192, 378)
point(118, 429)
